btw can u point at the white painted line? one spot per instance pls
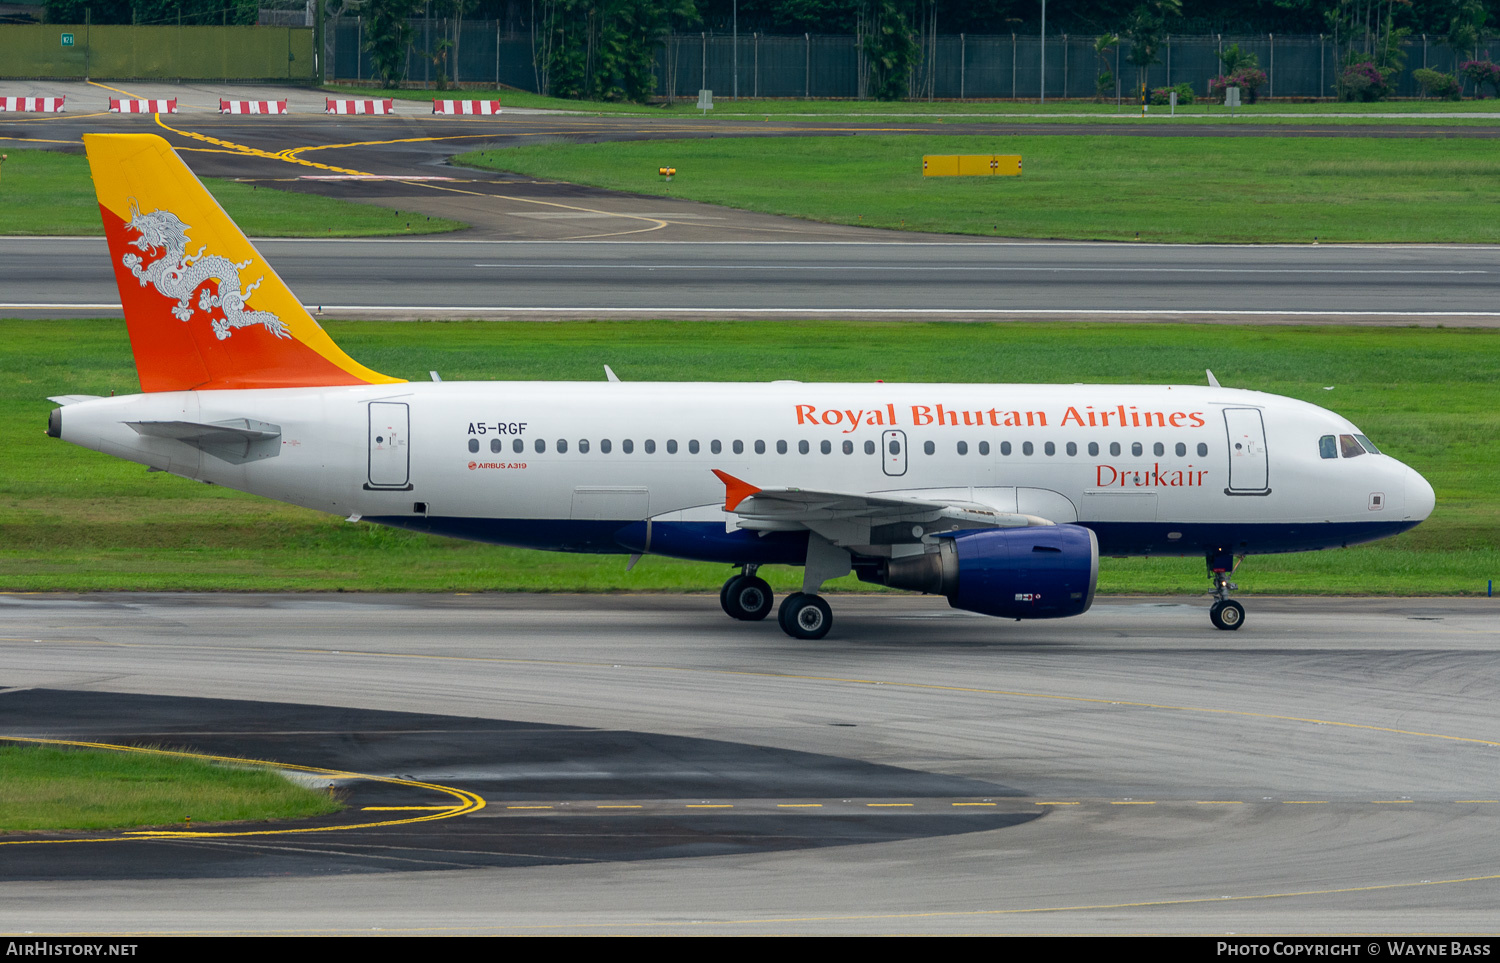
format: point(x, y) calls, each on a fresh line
point(1110, 245)
point(1010, 269)
point(815, 311)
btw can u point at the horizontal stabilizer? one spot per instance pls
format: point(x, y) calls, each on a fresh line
point(237, 440)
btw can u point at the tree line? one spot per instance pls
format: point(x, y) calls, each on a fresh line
point(607, 49)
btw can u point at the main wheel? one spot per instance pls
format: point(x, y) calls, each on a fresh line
point(805, 616)
point(747, 598)
point(1227, 615)
point(729, 586)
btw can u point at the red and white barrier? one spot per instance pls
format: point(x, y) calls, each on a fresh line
point(117, 106)
point(485, 107)
point(386, 106)
point(252, 106)
point(35, 105)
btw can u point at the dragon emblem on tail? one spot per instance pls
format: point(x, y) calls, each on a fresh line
point(178, 274)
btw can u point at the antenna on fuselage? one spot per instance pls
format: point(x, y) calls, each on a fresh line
point(610, 373)
point(1212, 381)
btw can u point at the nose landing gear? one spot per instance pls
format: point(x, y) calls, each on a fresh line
point(1226, 613)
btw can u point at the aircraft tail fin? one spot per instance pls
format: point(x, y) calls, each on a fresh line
point(203, 307)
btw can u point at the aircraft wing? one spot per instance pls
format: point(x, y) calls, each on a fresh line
point(856, 520)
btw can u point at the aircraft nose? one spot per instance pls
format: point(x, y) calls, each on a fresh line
point(1420, 498)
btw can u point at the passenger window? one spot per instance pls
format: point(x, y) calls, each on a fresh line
point(1135, 448)
point(1005, 448)
point(604, 446)
point(518, 446)
point(1202, 450)
point(928, 447)
point(895, 447)
point(627, 446)
point(869, 448)
point(1114, 448)
point(583, 446)
point(1181, 449)
point(848, 447)
point(1328, 447)
point(1093, 448)
point(1158, 449)
point(826, 447)
point(802, 447)
point(1348, 447)
point(984, 448)
point(473, 445)
point(693, 447)
point(963, 448)
point(650, 446)
point(715, 447)
point(541, 446)
point(1049, 448)
point(781, 448)
point(562, 446)
point(671, 446)
point(1026, 448)
point(739, 447)
point(760, 447)
point(495, 445)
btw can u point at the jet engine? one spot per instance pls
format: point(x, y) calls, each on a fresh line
point(1045, 572)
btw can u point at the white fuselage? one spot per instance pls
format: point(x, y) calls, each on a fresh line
point(1153, 469)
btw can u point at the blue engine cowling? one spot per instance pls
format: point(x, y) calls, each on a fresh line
point(1044, 572)
point(1047, 572)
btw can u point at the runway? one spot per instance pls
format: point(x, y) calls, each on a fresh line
point(1329, 768)
point(406, 278)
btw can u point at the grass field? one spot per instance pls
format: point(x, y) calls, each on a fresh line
point(1174, 189)
point(72, 519)
point(44, 192)
point(1417, 111)
point(49, 788)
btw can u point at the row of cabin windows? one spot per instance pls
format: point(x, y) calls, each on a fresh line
point(1159, 449)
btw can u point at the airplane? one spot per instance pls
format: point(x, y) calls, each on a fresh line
point(999, 497)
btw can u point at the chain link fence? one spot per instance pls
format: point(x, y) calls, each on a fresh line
point(491, 52)
point(957, 67)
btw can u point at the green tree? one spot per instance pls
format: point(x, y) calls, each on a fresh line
point(1465, 20)
point(1144, 28)
point(388, 36)
point(606, 49)
point(1104, 81)
point(889, 46)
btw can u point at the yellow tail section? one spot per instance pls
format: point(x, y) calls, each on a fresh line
point(204, 309)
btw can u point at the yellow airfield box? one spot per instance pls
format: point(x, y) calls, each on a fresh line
point(971, 165)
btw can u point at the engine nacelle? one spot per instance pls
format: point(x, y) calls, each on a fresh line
point(1045, 572)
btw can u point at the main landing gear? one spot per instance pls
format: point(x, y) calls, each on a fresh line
point(748, 598)
point(804, 616)
point(1226, 613)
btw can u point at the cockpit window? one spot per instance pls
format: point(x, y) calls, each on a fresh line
point(1348, 447)
point(1328, 447)
point(1369, 445)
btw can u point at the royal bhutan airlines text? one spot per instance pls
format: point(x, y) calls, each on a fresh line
point(1118, 416)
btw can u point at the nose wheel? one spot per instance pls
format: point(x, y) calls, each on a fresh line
point(1225, 613)
point(746, 597)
